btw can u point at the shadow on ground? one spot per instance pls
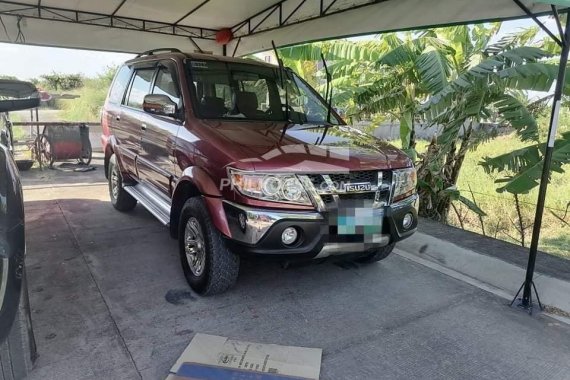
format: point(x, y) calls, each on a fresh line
point(63, 173)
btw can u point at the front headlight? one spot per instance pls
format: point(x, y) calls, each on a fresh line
point(270, 187)
point(405, 182)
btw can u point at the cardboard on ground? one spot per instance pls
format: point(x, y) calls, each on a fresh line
point(212, 352)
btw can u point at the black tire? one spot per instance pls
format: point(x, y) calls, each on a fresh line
point(24, 165)
point(120, 199)
point(18, 351)
point(219, 266)
point(376, 255)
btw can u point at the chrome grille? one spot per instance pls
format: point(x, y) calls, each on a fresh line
point(327, 189)
point(355, 177)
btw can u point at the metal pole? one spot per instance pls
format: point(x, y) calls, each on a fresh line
point(527, 297)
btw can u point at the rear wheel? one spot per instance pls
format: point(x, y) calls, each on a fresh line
point(376, 255)
point(208, 265)
point(18, 350)
point(120, 199)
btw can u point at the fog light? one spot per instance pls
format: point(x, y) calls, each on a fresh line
point(242, 221)
point(407, 221)
point(289, 235)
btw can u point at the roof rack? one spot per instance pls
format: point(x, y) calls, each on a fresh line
point(152, 51)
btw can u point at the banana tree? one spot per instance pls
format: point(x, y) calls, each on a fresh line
point(350, 64)
point(390, 75)
point(489, 90)
point(521, 168)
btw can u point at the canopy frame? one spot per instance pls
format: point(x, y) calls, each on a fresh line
point(43, 12)
point(563, 41)
point(285, 18)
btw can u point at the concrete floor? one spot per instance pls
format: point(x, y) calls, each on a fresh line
point(110, 302)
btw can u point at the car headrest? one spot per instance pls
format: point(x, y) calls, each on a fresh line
point(246, 102)
point(212, 106)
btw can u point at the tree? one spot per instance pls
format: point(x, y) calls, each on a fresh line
point(487, 86)
point(64, 82)
point(522, 168)
point(351, 65)
point(392, 75)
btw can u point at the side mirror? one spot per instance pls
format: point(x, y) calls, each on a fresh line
point(158, 104)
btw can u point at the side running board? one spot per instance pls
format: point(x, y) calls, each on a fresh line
point(156, 204)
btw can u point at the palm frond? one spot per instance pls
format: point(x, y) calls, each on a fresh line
point(527, 165)
point(490, 67)
point(434, 68)
point(513, 111)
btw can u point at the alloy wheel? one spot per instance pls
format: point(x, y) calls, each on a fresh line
point(194, 246)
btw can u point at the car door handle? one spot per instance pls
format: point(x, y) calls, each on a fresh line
point(143, 127)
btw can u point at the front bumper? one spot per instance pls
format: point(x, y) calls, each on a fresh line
point(258, 231)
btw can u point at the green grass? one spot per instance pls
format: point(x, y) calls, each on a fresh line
point(19, 132)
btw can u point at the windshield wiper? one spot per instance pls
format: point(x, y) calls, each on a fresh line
point(328, 96)
point(284, 86)
point(328, 99)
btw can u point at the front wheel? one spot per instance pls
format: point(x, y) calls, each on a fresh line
point(376, 255)
point(208, 265)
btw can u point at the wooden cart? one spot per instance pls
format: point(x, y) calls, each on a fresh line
point(57, 141)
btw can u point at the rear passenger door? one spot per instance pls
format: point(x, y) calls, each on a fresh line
point(156, 160)
point(133, 119)
point(111, 119)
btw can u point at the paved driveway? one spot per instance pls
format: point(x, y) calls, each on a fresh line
point(110, 302)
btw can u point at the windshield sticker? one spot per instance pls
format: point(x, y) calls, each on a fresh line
point(199, 64)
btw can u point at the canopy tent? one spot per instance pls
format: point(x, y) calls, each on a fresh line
point(246, 26)
point(138, 25)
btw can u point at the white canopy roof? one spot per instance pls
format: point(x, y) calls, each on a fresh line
point(138, 25)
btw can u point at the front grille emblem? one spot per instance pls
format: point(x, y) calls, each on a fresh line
point(353, 187)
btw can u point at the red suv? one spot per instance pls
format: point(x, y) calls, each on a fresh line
point(240, 157)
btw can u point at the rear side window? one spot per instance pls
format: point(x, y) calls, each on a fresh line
point(119, 85)
point(140, 86)
point(166, 85)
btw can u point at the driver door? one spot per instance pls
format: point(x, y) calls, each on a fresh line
point(156, 161)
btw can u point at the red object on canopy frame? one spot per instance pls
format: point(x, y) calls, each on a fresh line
point(223, 36)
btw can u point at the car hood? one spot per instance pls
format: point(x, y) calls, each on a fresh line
point(301, 147)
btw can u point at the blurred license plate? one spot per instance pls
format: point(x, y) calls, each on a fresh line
point(360, 221)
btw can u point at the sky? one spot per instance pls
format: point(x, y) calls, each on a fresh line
point(26, 62)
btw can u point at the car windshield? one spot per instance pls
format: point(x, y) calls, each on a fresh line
point(241, 91)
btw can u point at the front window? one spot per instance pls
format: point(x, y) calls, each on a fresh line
point(241, 91)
